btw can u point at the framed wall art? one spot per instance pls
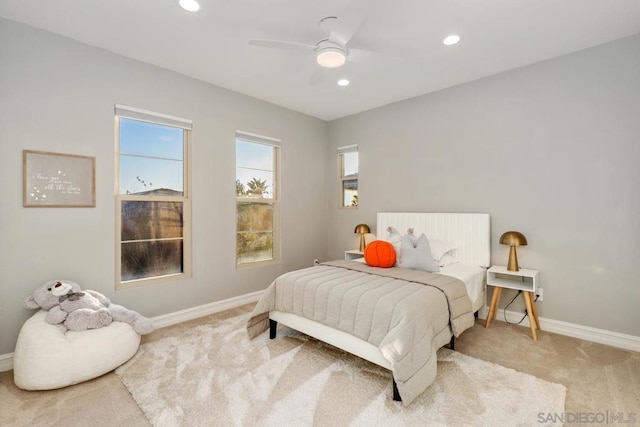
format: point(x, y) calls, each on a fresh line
point(55, 180)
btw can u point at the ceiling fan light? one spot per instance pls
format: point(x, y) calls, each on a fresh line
point(331, 57)
point(189, 5)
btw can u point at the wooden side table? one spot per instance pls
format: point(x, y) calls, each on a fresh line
point(500, 278)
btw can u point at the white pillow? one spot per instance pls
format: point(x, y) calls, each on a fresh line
point(440, 247)
point(417, 256)
point(394, 238)
point(446, 260)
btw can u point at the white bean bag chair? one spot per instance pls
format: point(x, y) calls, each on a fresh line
point(48, 356)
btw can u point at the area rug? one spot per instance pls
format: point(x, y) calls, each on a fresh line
point(213, 375)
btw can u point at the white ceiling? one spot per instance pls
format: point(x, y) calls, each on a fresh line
point(407, 56)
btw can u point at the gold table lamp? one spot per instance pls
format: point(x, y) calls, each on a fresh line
point(513, 239)
point(362, 229)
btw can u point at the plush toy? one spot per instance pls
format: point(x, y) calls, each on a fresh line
point(80, 310)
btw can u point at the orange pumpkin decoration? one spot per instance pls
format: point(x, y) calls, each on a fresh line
point(380, 254)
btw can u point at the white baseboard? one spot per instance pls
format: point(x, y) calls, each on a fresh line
point(587, 333)
point(6, 360)
point(614, 339)
point(204, 310)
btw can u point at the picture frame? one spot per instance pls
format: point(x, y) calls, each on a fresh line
point(57, 180)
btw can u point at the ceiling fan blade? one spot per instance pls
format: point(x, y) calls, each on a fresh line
point(349, 20)
point(280, 44)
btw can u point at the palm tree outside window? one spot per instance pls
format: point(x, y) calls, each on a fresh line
point(257, 207)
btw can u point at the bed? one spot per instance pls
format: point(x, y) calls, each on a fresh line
point(396, 318)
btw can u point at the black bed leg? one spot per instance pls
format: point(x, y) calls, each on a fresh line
point(452, 343)
point(273, 326)
point(396, 394)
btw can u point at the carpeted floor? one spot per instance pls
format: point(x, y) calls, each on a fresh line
point(213, 375)
point(598, 378)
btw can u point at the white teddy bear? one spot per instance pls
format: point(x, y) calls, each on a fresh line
point(80, 310)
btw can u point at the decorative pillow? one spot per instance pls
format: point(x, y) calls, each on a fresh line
point(394, 238)
point(380, 254)
point(440, 247)
point(417, 256)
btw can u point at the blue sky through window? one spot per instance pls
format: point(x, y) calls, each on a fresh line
point(151, 157)
point(254, 160)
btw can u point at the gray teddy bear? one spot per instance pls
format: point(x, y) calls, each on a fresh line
point(80, 310)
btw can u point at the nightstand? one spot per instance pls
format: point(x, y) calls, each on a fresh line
point(523, 280)
point(353, 254)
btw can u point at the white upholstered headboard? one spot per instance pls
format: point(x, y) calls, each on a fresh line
point(470, 232)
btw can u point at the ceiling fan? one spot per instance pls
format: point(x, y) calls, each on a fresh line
point(331, 50)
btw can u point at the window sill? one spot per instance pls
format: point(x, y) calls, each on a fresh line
point(151, 281)
point(253, 264)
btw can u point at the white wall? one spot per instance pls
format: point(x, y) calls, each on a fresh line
point(58, 95)
point(551, 150)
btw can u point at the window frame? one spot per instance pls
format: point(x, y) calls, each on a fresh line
point(274, 201)
point(342, 178)
point(129, 113)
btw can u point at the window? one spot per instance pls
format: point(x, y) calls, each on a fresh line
point(152, 197)
point(348, 159)
point(257, 196)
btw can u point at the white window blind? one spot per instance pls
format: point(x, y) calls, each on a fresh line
point(151, 117)
point(348, 149)
point(260, 139)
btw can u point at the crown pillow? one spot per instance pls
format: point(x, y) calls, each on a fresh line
point(394, 238)
point(417, 254)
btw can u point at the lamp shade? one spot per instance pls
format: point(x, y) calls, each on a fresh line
point(513, 239)
point(362, 229)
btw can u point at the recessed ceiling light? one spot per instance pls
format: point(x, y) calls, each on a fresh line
point(451, 40)
point(190, 5)
point(343, 82)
